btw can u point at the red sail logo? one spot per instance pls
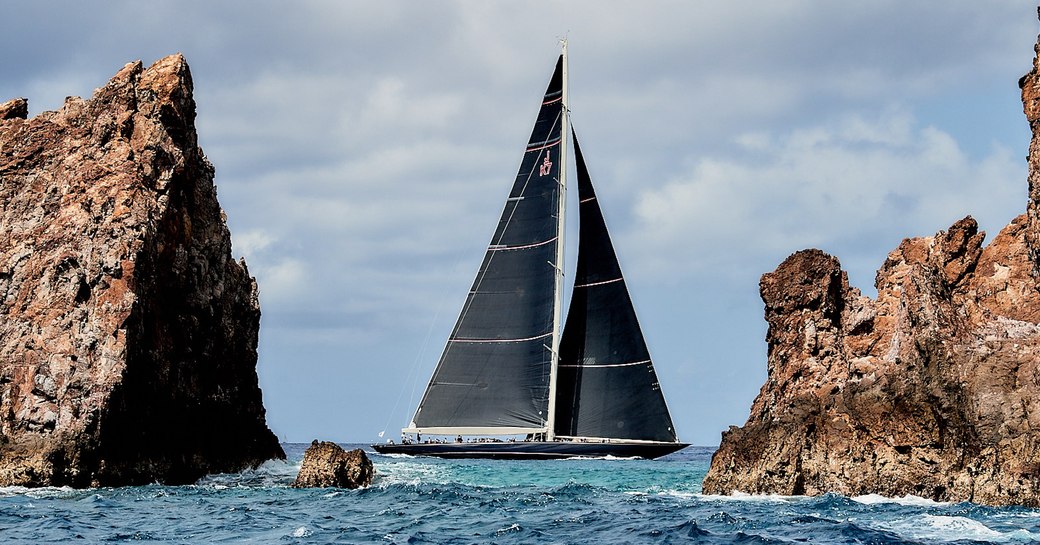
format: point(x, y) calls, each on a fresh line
point(546, 165)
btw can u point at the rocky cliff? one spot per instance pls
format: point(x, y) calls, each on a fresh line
point(932, 389)
point(128, 333)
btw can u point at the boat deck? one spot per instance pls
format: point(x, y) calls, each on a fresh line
point(535, 450)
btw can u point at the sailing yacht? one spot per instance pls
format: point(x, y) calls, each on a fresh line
point(513, 381)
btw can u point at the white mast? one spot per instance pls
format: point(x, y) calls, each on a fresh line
point(550, 421)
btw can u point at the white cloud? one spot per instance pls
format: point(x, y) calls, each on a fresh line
point(254, 241)
point(282, 281)
point(823, 186)
point(363, 150)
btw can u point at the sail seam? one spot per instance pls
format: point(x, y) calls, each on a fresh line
point(591, 284)
point(583, 201)
point(501, 247)
point(592, 365)
point(499, 340)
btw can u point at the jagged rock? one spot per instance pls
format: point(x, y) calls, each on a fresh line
point(932, 389)
point(128, 333)
point(326, 464)
point(14, 109)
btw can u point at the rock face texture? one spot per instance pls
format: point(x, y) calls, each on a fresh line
point(128, 333)
point(326, 464)
point(932, 389)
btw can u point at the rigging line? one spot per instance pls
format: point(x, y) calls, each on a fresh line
point(413, 373)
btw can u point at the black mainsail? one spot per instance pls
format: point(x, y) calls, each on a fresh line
point(507, 369)
point(493, 376)
point(607, 384)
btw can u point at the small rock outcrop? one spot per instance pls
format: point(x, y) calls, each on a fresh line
point(128, 333)
point(932, 389)
point(326, 464)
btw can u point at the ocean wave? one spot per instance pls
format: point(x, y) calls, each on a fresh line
point(424, 500)
point(953, 528)
point(268, 475)
point(745, 497)
point(394, 455)
point(46, 492)
point(917, 501)
point(409, 473)
point(669, 493)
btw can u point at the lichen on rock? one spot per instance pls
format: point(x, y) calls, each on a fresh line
point(128, 333)
point(932, 389)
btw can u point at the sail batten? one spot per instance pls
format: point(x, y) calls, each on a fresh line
point(600, 283)
point(503, 247)
point(460, 340)
point(604, 365)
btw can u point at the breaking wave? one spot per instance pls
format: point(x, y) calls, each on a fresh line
point(419, 500)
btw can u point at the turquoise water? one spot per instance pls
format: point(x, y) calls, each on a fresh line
point(421, 500)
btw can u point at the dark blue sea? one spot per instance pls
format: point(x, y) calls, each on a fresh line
point(421, 500)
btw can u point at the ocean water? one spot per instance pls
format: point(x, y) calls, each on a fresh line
point(422, 500)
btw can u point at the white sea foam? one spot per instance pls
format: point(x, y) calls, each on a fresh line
point(962, 525)
point(413, 474)
point(46, 492)
point(681, 494)
point(874, 499)
point(946, 528)
point(302, 531)
point(737, 495)
point(397, 455)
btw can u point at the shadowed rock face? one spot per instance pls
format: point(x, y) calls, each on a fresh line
point(932, 389)
point(128, 334)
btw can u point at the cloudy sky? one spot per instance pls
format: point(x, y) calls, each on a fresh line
point(363, 151)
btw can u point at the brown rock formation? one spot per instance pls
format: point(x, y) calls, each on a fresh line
point(326, 464)
point(932, 389)
point(14, 109)
point(128, 334)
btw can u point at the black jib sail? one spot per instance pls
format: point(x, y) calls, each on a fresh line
point(493, 376)
point(607, 384)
